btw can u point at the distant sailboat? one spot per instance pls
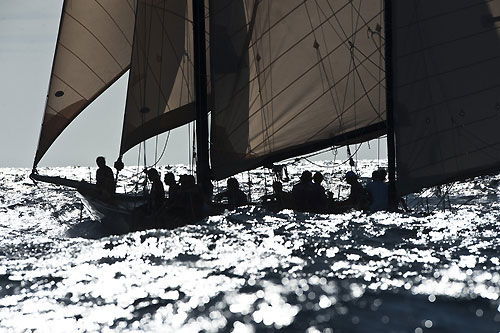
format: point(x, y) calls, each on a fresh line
point(286, 78)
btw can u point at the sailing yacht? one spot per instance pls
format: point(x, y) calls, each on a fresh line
point(285, 78)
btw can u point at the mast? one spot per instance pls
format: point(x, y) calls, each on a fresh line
point(391, 148)
point(200, 83)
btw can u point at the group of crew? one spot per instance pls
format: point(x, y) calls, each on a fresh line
point(308, 195)
point(184, 199)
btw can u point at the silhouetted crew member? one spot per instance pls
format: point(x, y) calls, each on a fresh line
point(358, 198)
point(279, 199)
point(320, 201)
point(105, 180)
point(303, 193)
point(235, 197)
point(173, 187)
point(188, 200)
point(156, 196)
point(378, 191)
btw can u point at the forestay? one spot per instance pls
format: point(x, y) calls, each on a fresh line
point(93, 50)
point(160, 89)
point(291, 77)
point(447, 91)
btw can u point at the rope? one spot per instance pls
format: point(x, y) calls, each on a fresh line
point(162, 152)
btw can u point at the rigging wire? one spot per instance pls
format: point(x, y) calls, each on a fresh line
point(138, 172)
point(334, 151)
point(330, 52)
point(162, 152)
point(189, 150)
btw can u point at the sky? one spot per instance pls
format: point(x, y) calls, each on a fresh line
point(28, 34)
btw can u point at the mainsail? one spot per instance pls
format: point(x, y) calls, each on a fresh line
point(290, 77)
point(160, 90)
point(93, 50)
point(446, 90)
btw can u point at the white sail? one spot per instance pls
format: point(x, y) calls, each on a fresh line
point(447, 90)
point(160, 90)
point(289, 77)
point(93, 50)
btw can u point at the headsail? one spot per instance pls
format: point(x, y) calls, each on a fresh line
point(160, 90)
point(93, 50)
point(290, 77)
point(447, 90)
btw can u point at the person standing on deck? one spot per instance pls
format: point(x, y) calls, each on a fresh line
point(157, 193)
point(105, 180)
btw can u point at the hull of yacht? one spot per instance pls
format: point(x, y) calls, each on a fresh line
point(119, 213)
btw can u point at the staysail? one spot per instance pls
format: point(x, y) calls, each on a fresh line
point(290, 77)
point(93, 50)
point(446, 89)
point(160, 90)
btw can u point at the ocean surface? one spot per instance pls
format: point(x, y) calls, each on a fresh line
point(435, 269)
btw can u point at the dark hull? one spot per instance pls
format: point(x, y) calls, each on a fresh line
point(120, 213)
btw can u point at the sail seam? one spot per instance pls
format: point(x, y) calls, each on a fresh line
point(450, 129)
point(69, 86)
point(496, 160)
point(286, 88)
point(306, 108)
point(341, 44)
point(97, 39)
point(285, 52)
point(455, 98)
point(322, 66)
point(366, 93)
point(41, 153)
point(346, 110)
point(184, 76)
point(254, 162)
point(116, 23)
point(83, 63)
point(161, 74)
point(335, 98)
point(171, 12)
point(269, 137)
point(131, 6)
point(448, 71)
point(156, 79)
point(479, 3)
point(447, 42)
